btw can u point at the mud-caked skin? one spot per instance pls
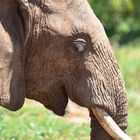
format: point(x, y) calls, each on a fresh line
point(52, 50)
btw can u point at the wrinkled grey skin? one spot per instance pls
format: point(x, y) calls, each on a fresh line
point(52, 50)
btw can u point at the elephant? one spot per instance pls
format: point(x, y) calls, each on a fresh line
point(55, 50)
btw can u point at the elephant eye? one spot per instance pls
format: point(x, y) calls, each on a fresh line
point(79, 45)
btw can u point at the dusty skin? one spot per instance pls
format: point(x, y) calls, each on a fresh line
point(55, 50)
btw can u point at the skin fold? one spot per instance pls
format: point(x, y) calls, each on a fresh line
point(54, 50)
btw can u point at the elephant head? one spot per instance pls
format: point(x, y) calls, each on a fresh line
point(53, 50)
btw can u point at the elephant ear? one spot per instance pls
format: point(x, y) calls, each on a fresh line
point(25, 15)
point(14, 32)
point(12, 88)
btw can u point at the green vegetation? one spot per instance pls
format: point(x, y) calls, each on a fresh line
point(121, 18)
point(134, 111)
point(129, 61)
point(36, 123)
point(39, 124)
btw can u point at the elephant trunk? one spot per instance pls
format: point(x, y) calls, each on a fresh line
point(108, 91)
point(106, 83)
point(109, 124)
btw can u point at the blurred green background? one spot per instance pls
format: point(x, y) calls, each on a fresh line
point(121, 19)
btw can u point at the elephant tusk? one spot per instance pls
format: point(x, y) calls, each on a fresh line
point(109, 124)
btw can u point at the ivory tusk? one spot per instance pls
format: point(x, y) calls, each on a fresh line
point(109, 124)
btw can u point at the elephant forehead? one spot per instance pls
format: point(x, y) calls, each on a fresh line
point(60, 16)
point(62, 24)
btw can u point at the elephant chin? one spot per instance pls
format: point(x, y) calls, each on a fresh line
point(109, 124)
point(53, 98)
point(58, 111)
point(58, 105)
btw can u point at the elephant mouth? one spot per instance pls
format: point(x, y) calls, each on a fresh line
point(109, 124)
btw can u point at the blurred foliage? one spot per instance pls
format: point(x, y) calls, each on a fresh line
point(37, 123)
point(121, 18)
point(129, 61)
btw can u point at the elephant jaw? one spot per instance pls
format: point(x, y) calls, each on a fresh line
point(109, 124)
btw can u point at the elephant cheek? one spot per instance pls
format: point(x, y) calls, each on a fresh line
point(12, 88)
